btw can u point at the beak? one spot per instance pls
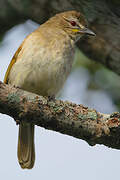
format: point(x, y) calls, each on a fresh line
point(87, 31)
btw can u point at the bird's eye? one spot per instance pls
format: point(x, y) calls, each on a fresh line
point(73, 23)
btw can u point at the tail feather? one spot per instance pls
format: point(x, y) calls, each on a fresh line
point(26, 151)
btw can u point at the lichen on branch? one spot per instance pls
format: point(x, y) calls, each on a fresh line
point(61, 116)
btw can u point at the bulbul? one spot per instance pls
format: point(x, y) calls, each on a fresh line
point(41, 65)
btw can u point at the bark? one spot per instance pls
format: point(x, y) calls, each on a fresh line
point(64, 117)
point(103, 17)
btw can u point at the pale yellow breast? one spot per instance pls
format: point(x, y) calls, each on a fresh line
point(43, 66)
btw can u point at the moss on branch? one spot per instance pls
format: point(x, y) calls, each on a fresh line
point(61, 116)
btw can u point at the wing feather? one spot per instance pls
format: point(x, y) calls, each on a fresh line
point(14, 59)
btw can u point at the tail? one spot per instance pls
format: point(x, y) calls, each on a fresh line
point(26, 151)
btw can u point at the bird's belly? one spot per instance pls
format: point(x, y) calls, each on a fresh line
point(41, 78)
point(49, 79)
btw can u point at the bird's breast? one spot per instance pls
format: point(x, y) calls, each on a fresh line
point(43, 70)
point(50, 73)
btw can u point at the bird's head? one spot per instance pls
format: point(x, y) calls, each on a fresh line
point(74, 24)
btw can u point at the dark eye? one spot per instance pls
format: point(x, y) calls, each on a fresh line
point(73, 23)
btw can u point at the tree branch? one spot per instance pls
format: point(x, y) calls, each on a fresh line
point(64, 117)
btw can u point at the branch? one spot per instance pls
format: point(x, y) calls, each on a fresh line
point(103, 17)
point(64, 117)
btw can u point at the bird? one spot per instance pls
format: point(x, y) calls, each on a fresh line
point(42, 64)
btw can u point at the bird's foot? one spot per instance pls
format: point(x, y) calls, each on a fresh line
point(16, 86)
point(51, 98)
